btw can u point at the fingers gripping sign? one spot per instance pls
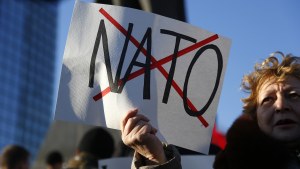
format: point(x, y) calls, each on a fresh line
point(139, 134)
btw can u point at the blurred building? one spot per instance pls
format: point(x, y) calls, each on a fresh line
point(27, 70)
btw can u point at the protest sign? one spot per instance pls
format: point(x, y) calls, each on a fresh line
point(187, 162)
point(117, 59)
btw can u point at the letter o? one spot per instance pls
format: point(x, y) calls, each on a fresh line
point(219, 71)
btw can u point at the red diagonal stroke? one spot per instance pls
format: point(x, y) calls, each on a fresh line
point(159, 63)
point(154, 65)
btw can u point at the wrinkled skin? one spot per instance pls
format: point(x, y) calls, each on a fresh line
point(278, 109)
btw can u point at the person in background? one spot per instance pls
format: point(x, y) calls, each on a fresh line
point(14, 157)
point(95, 144)
point(266, 135)
point(54, 160)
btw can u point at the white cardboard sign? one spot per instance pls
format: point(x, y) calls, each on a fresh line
point(187, 162)
point(117, 59)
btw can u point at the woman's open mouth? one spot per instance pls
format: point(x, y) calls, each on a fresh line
point(285, 122)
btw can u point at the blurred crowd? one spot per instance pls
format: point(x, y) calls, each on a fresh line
point(97, 143)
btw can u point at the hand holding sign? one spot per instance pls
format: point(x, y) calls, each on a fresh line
point(138, 134)
point(117, 59)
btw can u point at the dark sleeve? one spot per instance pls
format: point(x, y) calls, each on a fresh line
point(173, 162)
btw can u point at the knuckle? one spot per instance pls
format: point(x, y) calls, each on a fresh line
point(126, 141)
point(130, 120)
point(141, 138)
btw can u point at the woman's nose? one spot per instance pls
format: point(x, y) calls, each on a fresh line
point(281, 104)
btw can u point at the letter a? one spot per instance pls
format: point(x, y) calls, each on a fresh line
point(146, 91)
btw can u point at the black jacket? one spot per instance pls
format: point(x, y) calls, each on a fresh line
point(249, 148)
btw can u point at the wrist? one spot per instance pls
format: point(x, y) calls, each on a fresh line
point(160, 159)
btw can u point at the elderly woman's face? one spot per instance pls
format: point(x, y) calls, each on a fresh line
point(278, 111)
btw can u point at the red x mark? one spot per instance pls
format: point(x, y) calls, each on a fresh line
point(155, 63)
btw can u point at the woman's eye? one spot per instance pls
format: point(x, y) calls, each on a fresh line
point(294, 95)
point(266, 100)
